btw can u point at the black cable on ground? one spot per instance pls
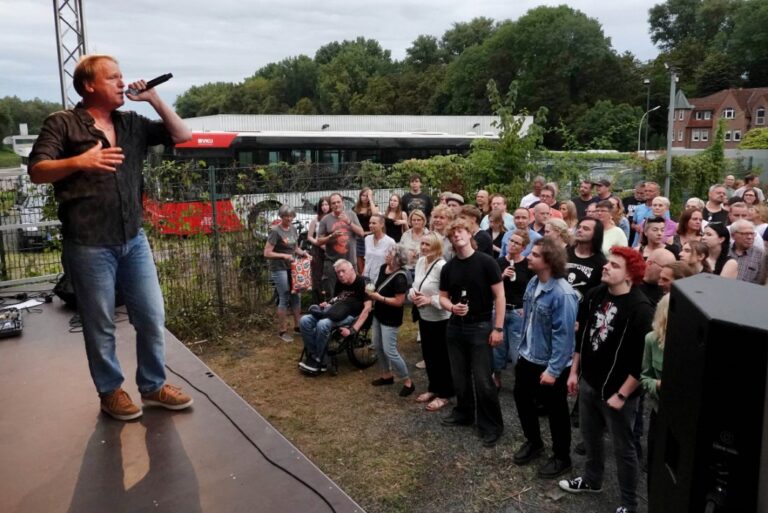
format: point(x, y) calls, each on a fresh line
point(254, 444)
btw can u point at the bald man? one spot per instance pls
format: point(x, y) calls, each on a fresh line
point(656, 261)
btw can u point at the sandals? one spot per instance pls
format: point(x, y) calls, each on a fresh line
point(437, 403)
point(425, 397)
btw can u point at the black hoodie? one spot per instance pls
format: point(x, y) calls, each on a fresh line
point(611, 337)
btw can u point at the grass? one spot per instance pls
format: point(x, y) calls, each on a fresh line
point(8, 158)
point(387, 453)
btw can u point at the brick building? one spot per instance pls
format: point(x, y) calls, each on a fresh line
point(696, 118)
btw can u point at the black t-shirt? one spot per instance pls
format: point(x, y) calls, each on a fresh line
point(497, 241)
point(630, 204)
point(420, 201)
point(514, 290)
point(484, 242)
point(581, 205)
point(393, 230)
point(715, 217)
point(652, 291)
point(348, 299)
point(583, 274)
point(611, 337)
point(475, 274)
point(386, 314)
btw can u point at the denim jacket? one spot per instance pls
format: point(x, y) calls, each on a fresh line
point(553, 321)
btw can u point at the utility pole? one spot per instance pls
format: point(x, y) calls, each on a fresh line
point(70, 43)
point(670, 127)
point(647, 82)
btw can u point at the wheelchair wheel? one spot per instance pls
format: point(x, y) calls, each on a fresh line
point(360, 351)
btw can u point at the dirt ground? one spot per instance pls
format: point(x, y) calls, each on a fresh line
point(388, 453)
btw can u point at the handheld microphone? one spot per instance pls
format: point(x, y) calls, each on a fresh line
point(152, 83)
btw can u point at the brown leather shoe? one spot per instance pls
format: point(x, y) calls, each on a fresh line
point(169, 397)
point(119, 405)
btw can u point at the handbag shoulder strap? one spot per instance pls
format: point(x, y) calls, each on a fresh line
point(389, 278)
point(428, 271)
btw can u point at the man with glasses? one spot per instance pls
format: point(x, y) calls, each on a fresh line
point(748, 255)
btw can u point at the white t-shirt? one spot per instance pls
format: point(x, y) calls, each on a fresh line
point(528, 200)
point(375, 252)
point(613, 237)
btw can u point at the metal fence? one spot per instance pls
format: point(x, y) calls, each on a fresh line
point(207, 228)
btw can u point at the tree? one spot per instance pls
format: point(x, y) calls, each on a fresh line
point(205, 100)
point(607, 126)
point(755, 139)
point(14, 111)
point(749, 41)
point(463, 35)
point(292, 79)
point(379, 97)
point(716, 73)
point(423, 53)
point(347, 73)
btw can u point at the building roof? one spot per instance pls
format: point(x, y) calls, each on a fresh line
point(746, 99)
point(450, 125)
point(681, 102)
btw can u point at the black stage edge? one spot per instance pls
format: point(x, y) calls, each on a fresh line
point(58, 453)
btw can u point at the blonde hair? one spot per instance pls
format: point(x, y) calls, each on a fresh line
point(659, 325)
point(435, 246)
point(561, 227)
point(85, 71)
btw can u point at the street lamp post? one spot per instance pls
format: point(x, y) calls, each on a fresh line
point(647, 82)
point(670, 127)
point(639, 129)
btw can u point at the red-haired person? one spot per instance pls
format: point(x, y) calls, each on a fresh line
point(613, 320)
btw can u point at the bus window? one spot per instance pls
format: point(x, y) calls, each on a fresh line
point(245, 158)
point(301, 156)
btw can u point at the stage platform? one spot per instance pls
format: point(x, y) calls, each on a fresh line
point(58, 453)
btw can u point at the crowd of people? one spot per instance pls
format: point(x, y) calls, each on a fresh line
point(572, 295)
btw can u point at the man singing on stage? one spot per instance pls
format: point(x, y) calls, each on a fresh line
point(94, 155)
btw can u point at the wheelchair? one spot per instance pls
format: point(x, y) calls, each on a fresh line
point(358, 347)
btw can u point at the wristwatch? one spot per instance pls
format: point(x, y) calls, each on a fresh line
point(497, 329)
point(621, 396)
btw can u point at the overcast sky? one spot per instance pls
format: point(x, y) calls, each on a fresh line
point(202, 41)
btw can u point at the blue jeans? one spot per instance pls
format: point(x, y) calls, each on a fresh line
point(508, 350)
point(97, 272)
point(316, 332)
point(286, 299)
point(385, 342)
point(471, 361)
point(594, 416)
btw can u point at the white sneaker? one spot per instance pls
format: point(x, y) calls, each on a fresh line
point(285, 336)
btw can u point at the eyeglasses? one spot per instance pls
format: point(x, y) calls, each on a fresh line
point(746, 234)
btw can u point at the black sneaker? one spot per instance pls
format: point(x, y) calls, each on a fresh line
point(310, 366)
point(527, 453)
point(554, 467)
point(578, 485)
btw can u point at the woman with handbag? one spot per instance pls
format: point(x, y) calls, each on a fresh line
point(433, 321)
point(388, 295)
point(282, 244)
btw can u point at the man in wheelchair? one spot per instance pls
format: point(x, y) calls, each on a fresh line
point(349, 306)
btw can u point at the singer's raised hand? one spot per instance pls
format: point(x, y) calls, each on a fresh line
point(99, 158)
point(143, 94)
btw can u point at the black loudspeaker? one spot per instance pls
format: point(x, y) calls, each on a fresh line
point(711, 453)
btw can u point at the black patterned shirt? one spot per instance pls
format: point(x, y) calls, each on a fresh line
point(95, 208)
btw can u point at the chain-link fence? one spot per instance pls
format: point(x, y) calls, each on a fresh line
point(30, 239)
point(207, 228)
